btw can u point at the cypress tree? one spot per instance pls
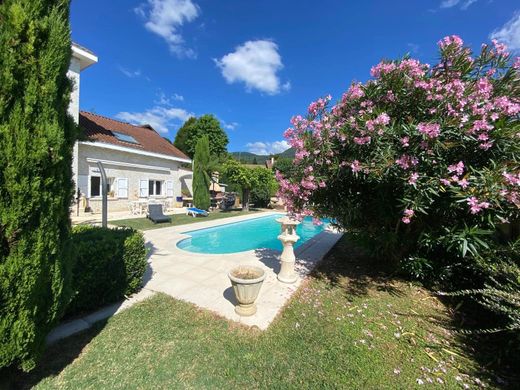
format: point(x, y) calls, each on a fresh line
point(36, 140)
point(201, 178)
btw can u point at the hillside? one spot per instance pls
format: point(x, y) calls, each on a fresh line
point(252, 158)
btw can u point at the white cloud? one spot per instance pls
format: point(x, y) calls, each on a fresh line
point(229, 126)
point(130, 73)
point(166, 100)
point(265, 148)
point(160, 118)
point(509, 33)
point(449, 3)
point(256, 64)
point(464, 5)
point(166, 17)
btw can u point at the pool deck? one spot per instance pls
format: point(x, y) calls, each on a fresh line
point(202, 279)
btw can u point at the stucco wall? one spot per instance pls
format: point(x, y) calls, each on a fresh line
point(157, 169)
point(74, 74)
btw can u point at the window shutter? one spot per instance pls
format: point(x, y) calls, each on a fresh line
point(143, 188)
point(122, 187)
point(169, 188)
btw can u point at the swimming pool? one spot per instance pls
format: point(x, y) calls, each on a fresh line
point(245, 235)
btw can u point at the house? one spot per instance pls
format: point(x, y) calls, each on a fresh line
point(139, 163)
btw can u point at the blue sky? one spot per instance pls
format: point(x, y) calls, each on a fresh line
point(254, 64)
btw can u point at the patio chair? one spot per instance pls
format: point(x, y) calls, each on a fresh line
point(193, 211)
point(155, 213)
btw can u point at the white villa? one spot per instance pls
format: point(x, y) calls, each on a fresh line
point(140, 164)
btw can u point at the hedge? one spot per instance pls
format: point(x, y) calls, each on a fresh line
point(108, 264)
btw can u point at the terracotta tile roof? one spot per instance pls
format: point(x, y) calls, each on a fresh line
point(97, 128)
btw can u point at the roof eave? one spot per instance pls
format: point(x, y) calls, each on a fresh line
point(105, 145)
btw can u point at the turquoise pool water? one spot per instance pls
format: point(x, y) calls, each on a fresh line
point(243, 236)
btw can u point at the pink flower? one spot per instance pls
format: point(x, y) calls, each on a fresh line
point(413, 178)
point(407, 215)
point(405, 141)
point(500, 48)
point(382, 68)
point(362, 140)
point(356, 167)
point(431, 130)
point(446, 182)
point(463, 183)
point(451, 40)
point(406, 161)
point(476, 206)
point(458, 168)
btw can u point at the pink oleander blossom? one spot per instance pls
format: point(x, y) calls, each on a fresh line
point(406, 161)
point(431, 130)
point(476, 206)
point(413, 178)
point(457, 168)
point(355, 166)
point(407, 216)
point(451, 40)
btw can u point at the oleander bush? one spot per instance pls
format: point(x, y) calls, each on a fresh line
point(421, 164)
point(108, 264)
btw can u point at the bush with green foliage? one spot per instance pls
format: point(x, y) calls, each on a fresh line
point(201, 174)
point(194, 128)
point(266, 187)
point(36, 141)
point(258, 179)
point(108, 265)
point(422, 164)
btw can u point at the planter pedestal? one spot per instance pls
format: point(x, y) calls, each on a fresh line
point(288, 237)
point(246, 281)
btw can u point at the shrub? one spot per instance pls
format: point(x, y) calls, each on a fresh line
point(36, 141)
point(109, 264)
point(201, 176)
point(421, 163)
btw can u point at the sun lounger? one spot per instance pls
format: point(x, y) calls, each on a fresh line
point(193, 211)
point(155, 213)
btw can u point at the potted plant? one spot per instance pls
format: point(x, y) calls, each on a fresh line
point(246, 281)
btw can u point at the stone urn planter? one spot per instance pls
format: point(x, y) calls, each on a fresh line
point(246, 281)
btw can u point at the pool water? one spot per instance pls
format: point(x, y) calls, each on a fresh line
point(246, 235)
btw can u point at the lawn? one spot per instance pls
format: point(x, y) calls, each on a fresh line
point(348, 326)
point(178, 219)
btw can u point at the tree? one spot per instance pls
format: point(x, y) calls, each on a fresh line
point(194, 128)
point(201, 174)
point(182, 135)
point(421, 165)
point(248, 179)
point(36, 141)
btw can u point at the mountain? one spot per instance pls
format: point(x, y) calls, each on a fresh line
point(249, 158)
point(252, 158)
point(289, 153)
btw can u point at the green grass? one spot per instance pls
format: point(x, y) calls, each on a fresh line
point(177, 219)
point(348, 326)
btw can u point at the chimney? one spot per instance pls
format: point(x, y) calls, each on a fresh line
point(81, 59)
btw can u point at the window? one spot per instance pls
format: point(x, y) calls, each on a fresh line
point(95, 186)
point(125, 137)
point(155, 187)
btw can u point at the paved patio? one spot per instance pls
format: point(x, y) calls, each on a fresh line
point(202, 278)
